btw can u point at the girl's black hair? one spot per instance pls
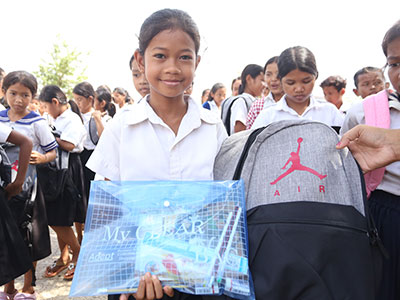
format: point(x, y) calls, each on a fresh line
point(214, 89)
point(233, 82)
point(124, 93)
point(84, 89)
point(392, 34)
point(167, 19)
point(75, 108)
point(253, 70)
point(271, 61)
point(22, 77)
point(103, 87)
point(297, 58)
point(104, 95)
point(52, 91)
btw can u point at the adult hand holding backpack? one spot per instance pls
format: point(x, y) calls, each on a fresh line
point(372, 147)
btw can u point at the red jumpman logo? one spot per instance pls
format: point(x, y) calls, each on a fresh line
point(296, 165)
point(14, 166)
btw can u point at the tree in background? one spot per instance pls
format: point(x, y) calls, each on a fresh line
point(63, 69)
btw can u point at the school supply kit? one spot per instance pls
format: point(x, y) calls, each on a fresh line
point(310, 232)
point(191, 234)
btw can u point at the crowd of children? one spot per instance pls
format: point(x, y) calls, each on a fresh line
point(165, 135)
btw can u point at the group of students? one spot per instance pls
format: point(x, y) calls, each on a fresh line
point(158, 137)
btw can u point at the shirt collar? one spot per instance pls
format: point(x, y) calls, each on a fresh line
point(282, 105)
point(143, 111)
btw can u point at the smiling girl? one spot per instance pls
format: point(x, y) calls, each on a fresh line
point(297, 71)
point(162, 134)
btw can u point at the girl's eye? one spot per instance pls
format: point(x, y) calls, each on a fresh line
point(186, 57)
point(395, 65)
point(158, 55)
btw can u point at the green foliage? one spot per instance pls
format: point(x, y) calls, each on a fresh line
point(64, 68)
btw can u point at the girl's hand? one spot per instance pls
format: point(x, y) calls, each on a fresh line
point(13, 189)
point(97, 115)
point(37, 158)
point(150, 288)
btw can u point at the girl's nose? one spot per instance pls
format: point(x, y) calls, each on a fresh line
point(172, 67)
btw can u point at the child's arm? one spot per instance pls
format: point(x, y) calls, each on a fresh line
point(67, 146)
point(99, 124)
point(25, 145)
point(39, 158)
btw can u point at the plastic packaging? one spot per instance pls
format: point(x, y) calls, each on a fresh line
point(191, 234)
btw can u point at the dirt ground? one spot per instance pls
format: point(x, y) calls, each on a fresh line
point(52, 288)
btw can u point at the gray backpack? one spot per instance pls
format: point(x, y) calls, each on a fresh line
point(309, 228)
point(226, 109)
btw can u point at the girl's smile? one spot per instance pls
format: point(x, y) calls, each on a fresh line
point(169, 63)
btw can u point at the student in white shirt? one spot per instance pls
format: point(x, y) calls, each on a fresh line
point(167, 136)
point(252, 86)
point(84, 96)
point(67, 209)
point(298, 71)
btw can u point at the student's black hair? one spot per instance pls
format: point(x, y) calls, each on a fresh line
point(214, 89)
point(204, 92)
point(52, 91)
point(270, 61)
point(22, 77)
point(75, 108)
point(2, 73)
point(233, 82)
point(84, 89)
point(253, 70)
point(167, 19)
point(131, 60)
point(366, 70)
point(297, 58)
point(104, 95)
point(336, 81)
point(103, 87)
point(392, 34)
point(124, 93)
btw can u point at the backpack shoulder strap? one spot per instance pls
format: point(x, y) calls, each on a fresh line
point(376, 112)
point(228, 106)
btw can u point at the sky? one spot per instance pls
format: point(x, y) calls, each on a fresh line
point(343, 35)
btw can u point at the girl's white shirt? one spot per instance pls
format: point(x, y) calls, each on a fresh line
point(72, 129)
point(214, 108)
point(321, 111)
point(138, 145)
point(4, 132)
point(239, 111)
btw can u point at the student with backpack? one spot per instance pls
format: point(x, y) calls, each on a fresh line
point(28, 207)
point(69, 206)
point(234, 110)
point(383, 110)
point(174, 127)
point(297, 71)
point(14, 256)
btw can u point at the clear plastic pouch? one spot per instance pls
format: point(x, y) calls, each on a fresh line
point(191, 234)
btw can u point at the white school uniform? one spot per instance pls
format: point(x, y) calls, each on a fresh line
point(239, 111)
point(34, 127)
point(138, 145)
point(72, 129)
point(355, 116)
point(320, 111)
point(4, 133)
